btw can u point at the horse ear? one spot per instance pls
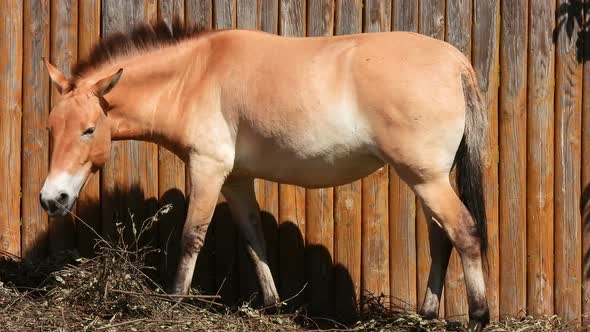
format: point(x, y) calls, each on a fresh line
point(61, 82)
point(106, 84)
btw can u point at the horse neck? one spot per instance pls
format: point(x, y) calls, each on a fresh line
point(145, 102)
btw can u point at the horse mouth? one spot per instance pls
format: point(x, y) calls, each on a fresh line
point(61, 210)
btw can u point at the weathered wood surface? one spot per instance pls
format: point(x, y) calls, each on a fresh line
point(129, 178)
point(568, 223)
point(246, 18)
point(540, 158)
point(431, 23)
point(319, 227)
point(402, 205)
point(345, 239)
point(88, 206)
point(584, 56)
point(347, 200)
point(458, 34)
point(291, 198)
point(171, 174)
point(267, 192)
point(199, 13)
point(35, 138)
point(375, 199)
point(512, 170)
point(485, 60)
point(226, 237)
point(11, 108)
point(64, 54)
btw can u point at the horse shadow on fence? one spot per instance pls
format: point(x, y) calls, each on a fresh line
point(304, 275)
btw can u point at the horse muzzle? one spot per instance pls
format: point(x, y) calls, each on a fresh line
point(59, 193)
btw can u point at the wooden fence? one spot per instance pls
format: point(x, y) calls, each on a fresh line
point(370, 234)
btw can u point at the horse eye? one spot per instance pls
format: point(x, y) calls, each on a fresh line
point(88, 131)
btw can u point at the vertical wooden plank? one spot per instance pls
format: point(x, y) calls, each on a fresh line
point(584, 56)
point(168, 10)
point(269, 16)
point(292, 18)
point(247, 11)
point(319, 250)
point(375, 202)
point(375, 233)
point(224, 14)
point(35, 140)
point(267, 192)
point(88, 206)
point(11, 76)
point(267, 195)
point(431, 23)
point(405, 15)
point(246, 18)
point(171, 176)
point(320, 18)
point(151, 14)
point(319, 207)
point(291, 198)
point(568, 227)
point(458, 25)
point(227, 269)
point(458, 34)
point(129, 178)
point(64, 54)
point(540, 153)
point(199, 13)
point(402, 206)
point(291, 243)
point(347, 211)
point(485, 60)
point(512, 172)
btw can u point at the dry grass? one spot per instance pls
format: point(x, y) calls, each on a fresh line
point(114, 292)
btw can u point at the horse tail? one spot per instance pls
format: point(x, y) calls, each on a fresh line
point(469, 157)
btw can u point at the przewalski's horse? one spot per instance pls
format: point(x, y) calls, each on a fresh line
point(315, 112)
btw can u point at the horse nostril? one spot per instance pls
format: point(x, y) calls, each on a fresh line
point(43, 204)
point(51, 206)
point(63, 198)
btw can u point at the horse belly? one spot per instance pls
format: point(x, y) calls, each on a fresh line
point(310, 171)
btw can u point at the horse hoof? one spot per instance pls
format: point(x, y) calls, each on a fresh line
point(475, 326)
point(271, 300)
point(428, 315)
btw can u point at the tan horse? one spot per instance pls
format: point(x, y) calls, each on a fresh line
point(315, 112)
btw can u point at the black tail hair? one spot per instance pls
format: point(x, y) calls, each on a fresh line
point(469, 159)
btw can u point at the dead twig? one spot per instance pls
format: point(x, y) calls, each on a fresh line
point(202, 298)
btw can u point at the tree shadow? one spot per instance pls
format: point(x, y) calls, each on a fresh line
point(570, 15)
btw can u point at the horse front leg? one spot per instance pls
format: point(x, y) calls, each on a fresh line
point(207, 177)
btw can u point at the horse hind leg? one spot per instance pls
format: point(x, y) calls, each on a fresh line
point(440, 252)
point(450, 213)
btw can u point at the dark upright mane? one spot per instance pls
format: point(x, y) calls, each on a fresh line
point(141, 38)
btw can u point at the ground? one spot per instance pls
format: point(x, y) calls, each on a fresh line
point(117, 291)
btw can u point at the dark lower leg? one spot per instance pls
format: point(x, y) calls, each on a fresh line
point(440, 251)
point(467, 242)
point(462, 232)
